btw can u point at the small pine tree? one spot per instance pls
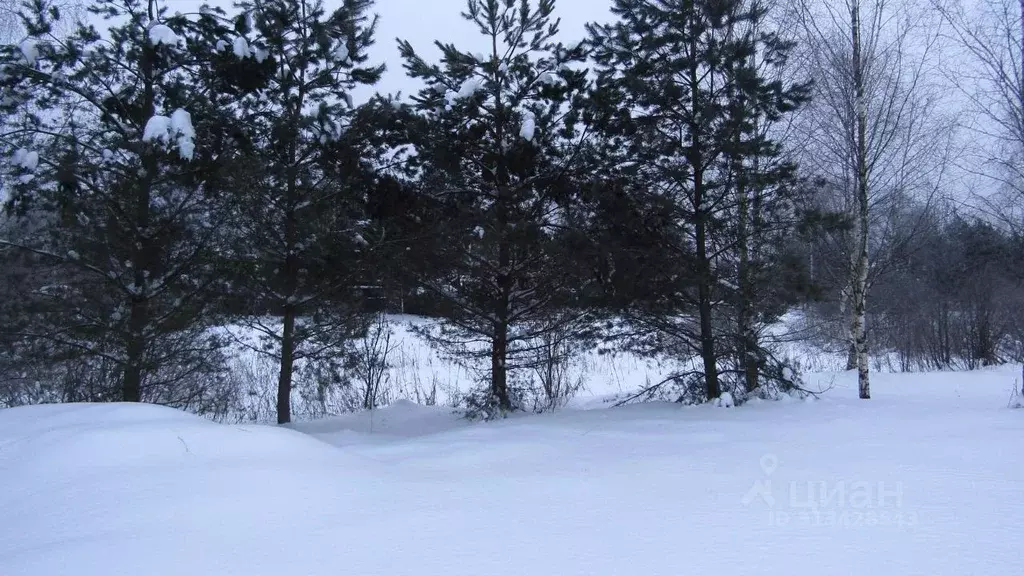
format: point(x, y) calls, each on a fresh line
point(112, 180)
point(497, 161)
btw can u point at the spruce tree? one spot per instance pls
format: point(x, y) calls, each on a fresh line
point(678, 102)
point(498, 161)
point(306, 161)
point(113, 181)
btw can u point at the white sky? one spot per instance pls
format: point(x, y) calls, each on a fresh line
point(423, 21)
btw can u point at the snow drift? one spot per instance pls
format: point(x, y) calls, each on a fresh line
point(921, 480)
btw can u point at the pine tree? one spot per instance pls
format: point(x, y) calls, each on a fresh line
point(678, 101)
point(306, 163)
point(768, 198)
point(498, 165)
point(116, 184)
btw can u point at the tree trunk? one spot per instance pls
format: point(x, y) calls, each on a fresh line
point(707, 335)
point(860, 256)
point(499, 343)
point(499, 370)
point(284, 377)
point(290, 271)
point(851, 350)
point(1020, 85)
point(748, 348)
point(131, 382)
point(135, 349)
point(704, 278)
point(859, 330)
point(504, 280)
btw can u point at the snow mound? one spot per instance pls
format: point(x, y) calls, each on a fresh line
point(401, 419)
point(31, 420)
point(75, 437)
point(87, 483)
point(726, 400)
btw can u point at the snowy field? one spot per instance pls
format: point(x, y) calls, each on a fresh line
point(924, 479)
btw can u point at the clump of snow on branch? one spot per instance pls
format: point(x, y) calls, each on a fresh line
point(529, 127)
point(341, 53)
point(241, 47)
point(470, 87)
point(329, 129)
point(27, 160)
point(176, 129)
point(162, 34)
point(29, 51)
point(181, 124)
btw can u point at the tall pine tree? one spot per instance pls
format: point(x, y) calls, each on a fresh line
point(307, 162)
point(678, 101)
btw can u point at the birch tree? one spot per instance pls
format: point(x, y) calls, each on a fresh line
point(873, 129)
point(990, 34)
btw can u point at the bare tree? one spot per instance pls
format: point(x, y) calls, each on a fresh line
point(990, 35)
point(873, 127)
point(372, 362)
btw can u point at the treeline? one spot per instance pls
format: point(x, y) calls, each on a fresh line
point(177, 175)
point(954, 298)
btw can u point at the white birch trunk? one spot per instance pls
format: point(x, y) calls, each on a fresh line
point(859, 270)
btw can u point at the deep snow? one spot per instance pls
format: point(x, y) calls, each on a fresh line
point(924, 479)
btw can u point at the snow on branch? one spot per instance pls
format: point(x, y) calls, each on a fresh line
point(29, 52)
point(174, 129)
point(162, 34)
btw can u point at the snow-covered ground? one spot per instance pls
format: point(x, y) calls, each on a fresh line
point(417, 371)
point(924, 479)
